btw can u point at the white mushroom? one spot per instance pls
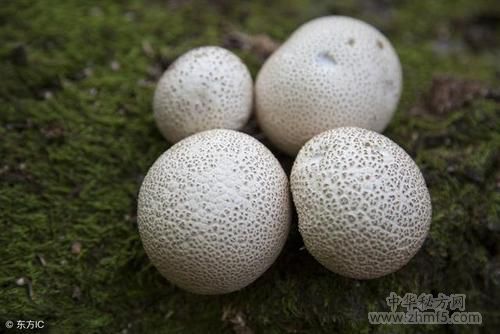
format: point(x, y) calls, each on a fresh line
point(214, 211)
point(333, 71)
point(206, 88)
point(363, 205)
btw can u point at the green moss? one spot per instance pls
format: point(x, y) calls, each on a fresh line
point(76, 138)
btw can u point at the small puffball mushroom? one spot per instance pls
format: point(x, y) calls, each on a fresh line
point(364, 209)
point(333, 71)
point(214, 211)
point(206, 88)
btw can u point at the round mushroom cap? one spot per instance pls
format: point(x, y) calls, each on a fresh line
point(214, 211)
point(363, 206)
point(206, 88)
point(333, 71)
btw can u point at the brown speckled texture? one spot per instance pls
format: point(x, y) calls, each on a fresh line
point(214, 211)
point(206, 88)
point(332, 71)
point(364, 209)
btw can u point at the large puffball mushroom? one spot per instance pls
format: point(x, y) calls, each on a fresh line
point(333, 71)
point(206, 88)
point(214, 211)
point(364, 209)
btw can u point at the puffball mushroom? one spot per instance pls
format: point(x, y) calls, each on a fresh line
point(206, 88)
point(363, 206)
point(333, 71)
point(214, 211)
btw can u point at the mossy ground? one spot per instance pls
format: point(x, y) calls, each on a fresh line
point(77, 136)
